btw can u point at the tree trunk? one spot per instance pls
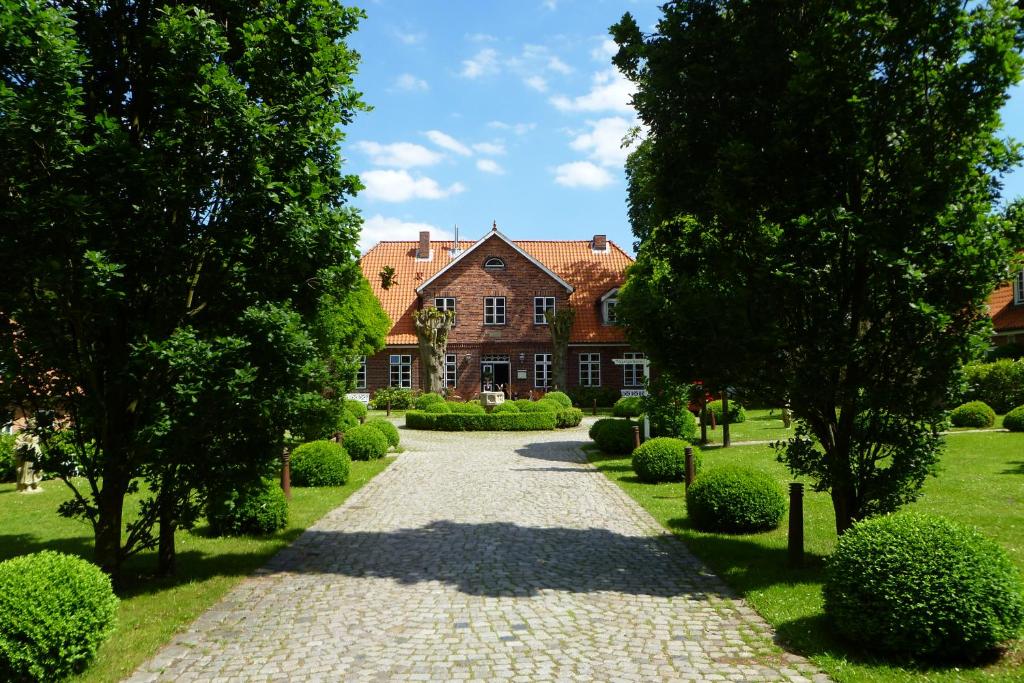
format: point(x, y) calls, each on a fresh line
point(108, 529)
point(166, 557)
point(431, 365)
point(844, 505)
point(560, 327)
point(725, 420)
point(432, 328)
point(704, 424)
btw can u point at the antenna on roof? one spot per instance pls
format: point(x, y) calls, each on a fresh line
point(494, 226)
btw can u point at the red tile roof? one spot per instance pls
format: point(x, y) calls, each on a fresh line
point(1006, 315)
point(591, 274)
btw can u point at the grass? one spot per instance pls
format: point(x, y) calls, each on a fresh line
point(153, 609)
point(981, 483)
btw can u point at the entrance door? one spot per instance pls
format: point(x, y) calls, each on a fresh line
point(495, 371)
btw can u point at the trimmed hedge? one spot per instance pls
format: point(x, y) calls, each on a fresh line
point(257, 508)
point(493, 422)
point(437, 408)
point(427, 399)
point(468, 408)
point(541, 406)
point(365, 442)
point(1014, 420)
point(735, 500)
point(973, 414)
point(568, 417)
point(663, 459)
point(736, 412)
point(559, 397)
point(584, 396)
point(613, 436)
point(923, 586)
point(628, 406)
point(506, 407)
point(386, 428)
point(357, 408)
point(320, 463)
point(55, 611)
point(999, 384)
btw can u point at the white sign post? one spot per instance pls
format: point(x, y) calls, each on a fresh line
point(638, 392)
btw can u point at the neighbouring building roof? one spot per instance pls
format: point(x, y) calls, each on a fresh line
point(591, 274)
point(1006, 316)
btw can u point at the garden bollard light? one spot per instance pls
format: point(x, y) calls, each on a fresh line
point(595, 407)
point(796, 524)
point(690, 473)
point(286, 473)
point(636, 437)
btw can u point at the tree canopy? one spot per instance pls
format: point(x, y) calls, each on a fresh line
point(815, 207)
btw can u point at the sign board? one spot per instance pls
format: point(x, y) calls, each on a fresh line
point(520, 374)
point(362, 398)
point(633, 392)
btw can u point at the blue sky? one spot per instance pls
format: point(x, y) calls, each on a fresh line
point(503, 111)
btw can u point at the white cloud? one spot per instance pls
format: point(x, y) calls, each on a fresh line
point(605, 51)
point(400, 186)
point(409, 37)
point(489, 166)
point(583, 174)
point(378, 228)
point(445, 141)
point(537, 83)
point(603, 142)
point(556, 64)
point(492, 148)
point(517, 128)
point(410, 82)
point(483, 63)
point(550, 4)
point(399, 154)
point(480, 38)
point(610, 92)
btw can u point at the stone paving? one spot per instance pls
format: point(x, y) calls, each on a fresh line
point(481, 557)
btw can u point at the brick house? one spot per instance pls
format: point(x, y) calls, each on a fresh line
point(499, 290)
point(1006, 306)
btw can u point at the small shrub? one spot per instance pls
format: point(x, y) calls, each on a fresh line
point(467, 408)
point(320, 463)
point(506, 407)
point(357, 408)
point(312, 417)
point(1014, 420)
point(627, 406)
point(346, 420)
point(735, 500)
point(520, 402)
point(568, 417)
point(923, 586)
point(389, 430)
point(8, 465)
point(493, 422)
point(613, 436)
point(401, 399)
point(55, 611)
point(365, 442)
point(666, 406)
point(438, 408)
point(662, 459)
point(973, 414)
point(559, 397)
point(736, 412)
point(427, 399)
point(255, 508)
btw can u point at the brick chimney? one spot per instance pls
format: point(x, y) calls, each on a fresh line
point(599, 243)
point(423, 250)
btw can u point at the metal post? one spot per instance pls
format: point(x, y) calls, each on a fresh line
point(691, 472)
point(595, 407)
point(286, 473)
point(636, 437)
point(389, 407)
point(796, 524)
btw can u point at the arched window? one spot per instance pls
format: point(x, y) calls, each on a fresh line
point(494, 263)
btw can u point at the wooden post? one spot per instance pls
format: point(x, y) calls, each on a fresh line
point(286, 473)
point(690, 468)
point(796, 524)
point(725, 420)
point(636, 437)
point(389, 407)
point(595, 407)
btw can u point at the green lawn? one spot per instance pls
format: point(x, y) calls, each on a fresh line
point(153, 610)
point(981, 483)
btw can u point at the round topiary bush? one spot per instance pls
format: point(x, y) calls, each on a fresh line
point(357, 408)
point(427, 399)
point(736, 412)
point(735, 500)
point(1014, 420)
point(320, 463)
point(521, 402)
point(541, 406)
point(973, 414)
point(627, 406)
point(613, 436)
point(559, 397)
point(366, 442)
point(507, 407)
point(389, 430)
point(662, 459)
point(923, 586)
point(256, 508)
point(441, 408)
point(568, 417)
point(55, 611)
point(466, 408)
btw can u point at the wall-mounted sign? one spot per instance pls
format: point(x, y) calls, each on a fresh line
point(362, 398)
point(633, 392)
point(520, 374)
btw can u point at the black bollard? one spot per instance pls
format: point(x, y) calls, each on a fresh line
point(286, 473)
point(690, 469)
point(796, 524)
point(636, 437)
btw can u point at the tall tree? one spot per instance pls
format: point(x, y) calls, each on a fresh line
point(432, 329)
point(814, 203)
point(175, 215)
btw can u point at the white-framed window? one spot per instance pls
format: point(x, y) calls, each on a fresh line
point(445, 303)
point(401, 371)
point(494, 263)
point(541, 305)
point(361, 373)
point(633, 373)
point(609, 311)
point(541, 370)
point(1018, 288)
point(494, 310)
point(450, 370)
point(590, 369)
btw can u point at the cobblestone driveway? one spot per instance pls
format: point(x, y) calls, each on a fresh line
point(481, 557)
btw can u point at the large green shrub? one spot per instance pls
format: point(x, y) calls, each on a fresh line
point(663, 459)
point(366, 442)
point(735, 499)
point(613, 436)
point(628, 406)
point(568, 417)
point(666, 406)
point(973, 414)
point(55, 611)
point(584, 397)
point(559, 397)
point(923, 586)
point(357, 408)
point(424, 400)
point(506, 407)
point(8, 465)
point(320, 463)
point(346, 420)
point(736, 412)
point(389, 430)
point(493, 422)
point(401, 399)
point(256, 508)
point(1014, 420)
point(468, 408)
point(437, 408)
point(999, 384)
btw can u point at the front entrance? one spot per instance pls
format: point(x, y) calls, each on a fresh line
point(495, 372)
